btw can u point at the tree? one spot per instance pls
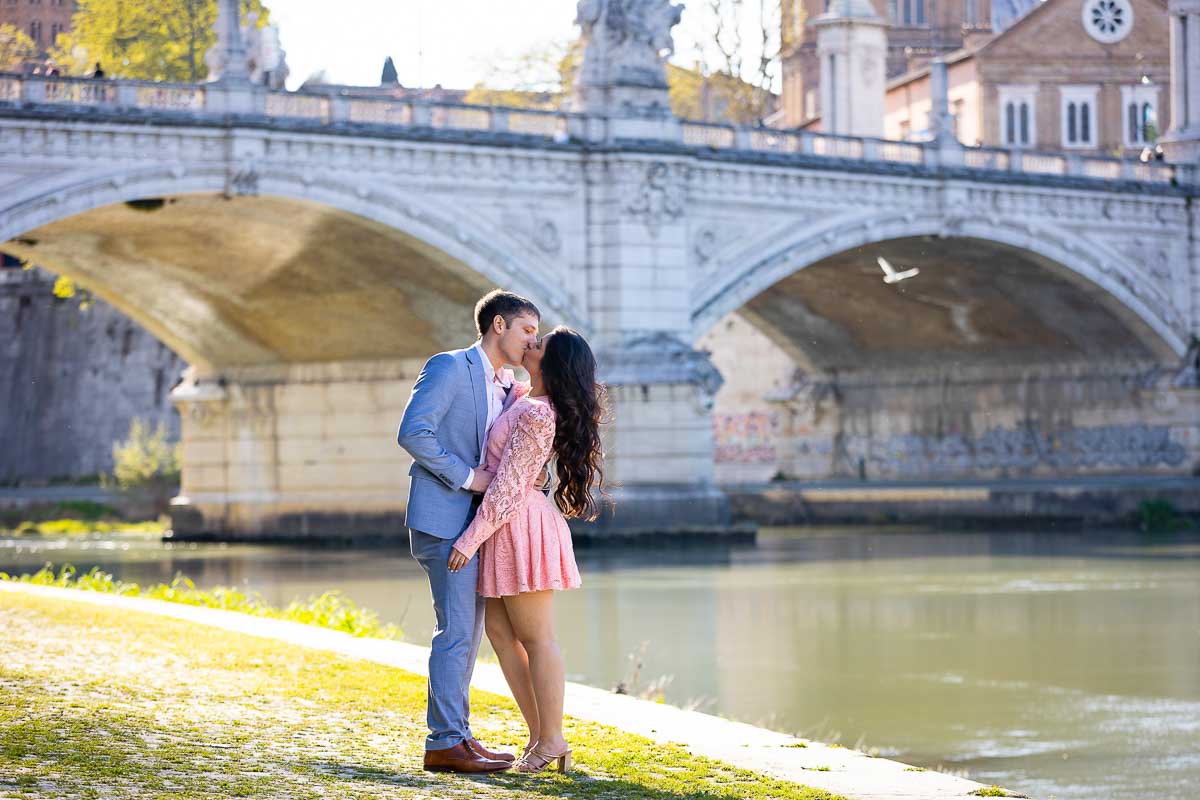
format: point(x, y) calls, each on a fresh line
point(389, 75)
point(744, 77)
point(15, 49)
point(541, 77)
point(157, 40)
point(717, 97)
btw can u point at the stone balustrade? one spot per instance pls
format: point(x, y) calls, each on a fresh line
point(333, 108)
point(862, 148)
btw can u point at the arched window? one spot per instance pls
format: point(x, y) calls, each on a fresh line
point(1141, 114)
point(1077, 105)
point(35, 31)
point(1018, 115)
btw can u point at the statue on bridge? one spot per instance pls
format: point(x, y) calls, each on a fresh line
point(626, 44)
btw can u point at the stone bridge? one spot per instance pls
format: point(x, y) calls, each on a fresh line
point(305, 252)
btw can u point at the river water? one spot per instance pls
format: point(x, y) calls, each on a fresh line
point(1060, 665)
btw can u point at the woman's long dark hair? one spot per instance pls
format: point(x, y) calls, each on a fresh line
point(569, 374)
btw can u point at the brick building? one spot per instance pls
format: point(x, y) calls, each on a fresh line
point(41, 20)
point(1086, 76)
point(918, 31)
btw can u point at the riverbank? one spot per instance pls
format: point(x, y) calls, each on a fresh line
point(1105, 501)
point(295, 711)
point(1161, 502)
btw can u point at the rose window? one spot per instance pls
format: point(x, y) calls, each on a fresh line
point(1107, 21)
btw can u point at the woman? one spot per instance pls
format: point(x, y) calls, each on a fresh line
point(523, 540)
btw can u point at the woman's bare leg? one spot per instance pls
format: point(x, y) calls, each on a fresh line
point(514, 662)
point(531, 616)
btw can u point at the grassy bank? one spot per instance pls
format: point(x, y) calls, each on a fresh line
point(329, 610)
point(98, 702)
point(74, 518)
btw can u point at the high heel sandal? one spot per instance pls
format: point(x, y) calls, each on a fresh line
point(534, 761)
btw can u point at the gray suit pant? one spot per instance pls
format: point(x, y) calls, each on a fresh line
point(459, 613)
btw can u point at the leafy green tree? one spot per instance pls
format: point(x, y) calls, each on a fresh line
point(15, 48)
point(156, 40)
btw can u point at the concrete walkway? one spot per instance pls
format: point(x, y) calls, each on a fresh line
point(851, 773)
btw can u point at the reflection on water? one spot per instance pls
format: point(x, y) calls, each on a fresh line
point(1057, 664)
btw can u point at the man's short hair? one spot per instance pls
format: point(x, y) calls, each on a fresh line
point(506, 304)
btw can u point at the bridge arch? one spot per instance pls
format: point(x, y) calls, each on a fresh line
point(444, 258)
point(1085, 274)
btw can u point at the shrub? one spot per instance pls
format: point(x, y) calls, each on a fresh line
point(146, 459)
point(1157, 516)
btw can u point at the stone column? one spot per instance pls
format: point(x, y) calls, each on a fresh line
point(659, 447)
point(852, 48)
point(293, 452)
point(1181, 144)
point(229, 89)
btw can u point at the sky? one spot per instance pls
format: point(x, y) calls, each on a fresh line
point(451, 42)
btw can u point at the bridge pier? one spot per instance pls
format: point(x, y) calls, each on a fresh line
point(308, 451)
point(299, 452)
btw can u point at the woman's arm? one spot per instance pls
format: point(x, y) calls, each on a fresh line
point(528, 447)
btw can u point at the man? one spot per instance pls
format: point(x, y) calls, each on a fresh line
point(457, 397)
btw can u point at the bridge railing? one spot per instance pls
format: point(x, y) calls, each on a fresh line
point(336, 107)
point(323, 107)
point(718, 136)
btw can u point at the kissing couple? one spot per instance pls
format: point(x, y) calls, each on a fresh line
point(483, 526)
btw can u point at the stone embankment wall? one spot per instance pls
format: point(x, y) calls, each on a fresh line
point(72, 380)
point(774, 420)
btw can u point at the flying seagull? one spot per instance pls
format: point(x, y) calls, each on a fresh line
point(890, 275)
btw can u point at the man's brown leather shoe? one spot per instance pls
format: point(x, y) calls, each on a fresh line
point(461, 758)
point(475, 745)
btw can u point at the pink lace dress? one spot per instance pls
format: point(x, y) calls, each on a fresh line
point(523, 541)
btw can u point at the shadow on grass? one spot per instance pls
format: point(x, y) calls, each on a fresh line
point(574, 784)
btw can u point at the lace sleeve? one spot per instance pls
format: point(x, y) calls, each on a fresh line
point(528, 447)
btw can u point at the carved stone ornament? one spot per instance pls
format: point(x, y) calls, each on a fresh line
point(627, 39)
point(661, 358)
point(547, 237)
point(243, 178)
point(705, 244)
point(658, 199)
point(1188, 376)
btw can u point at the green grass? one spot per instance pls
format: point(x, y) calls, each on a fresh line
point(994, 791)
point(102, 702)
point(76, 527)
point(329, 610)
point(74, 518)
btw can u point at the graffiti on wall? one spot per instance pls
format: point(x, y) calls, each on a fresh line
point(745, 438)
point(1024, 449)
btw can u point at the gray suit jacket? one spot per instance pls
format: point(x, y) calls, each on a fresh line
point(443, 430)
